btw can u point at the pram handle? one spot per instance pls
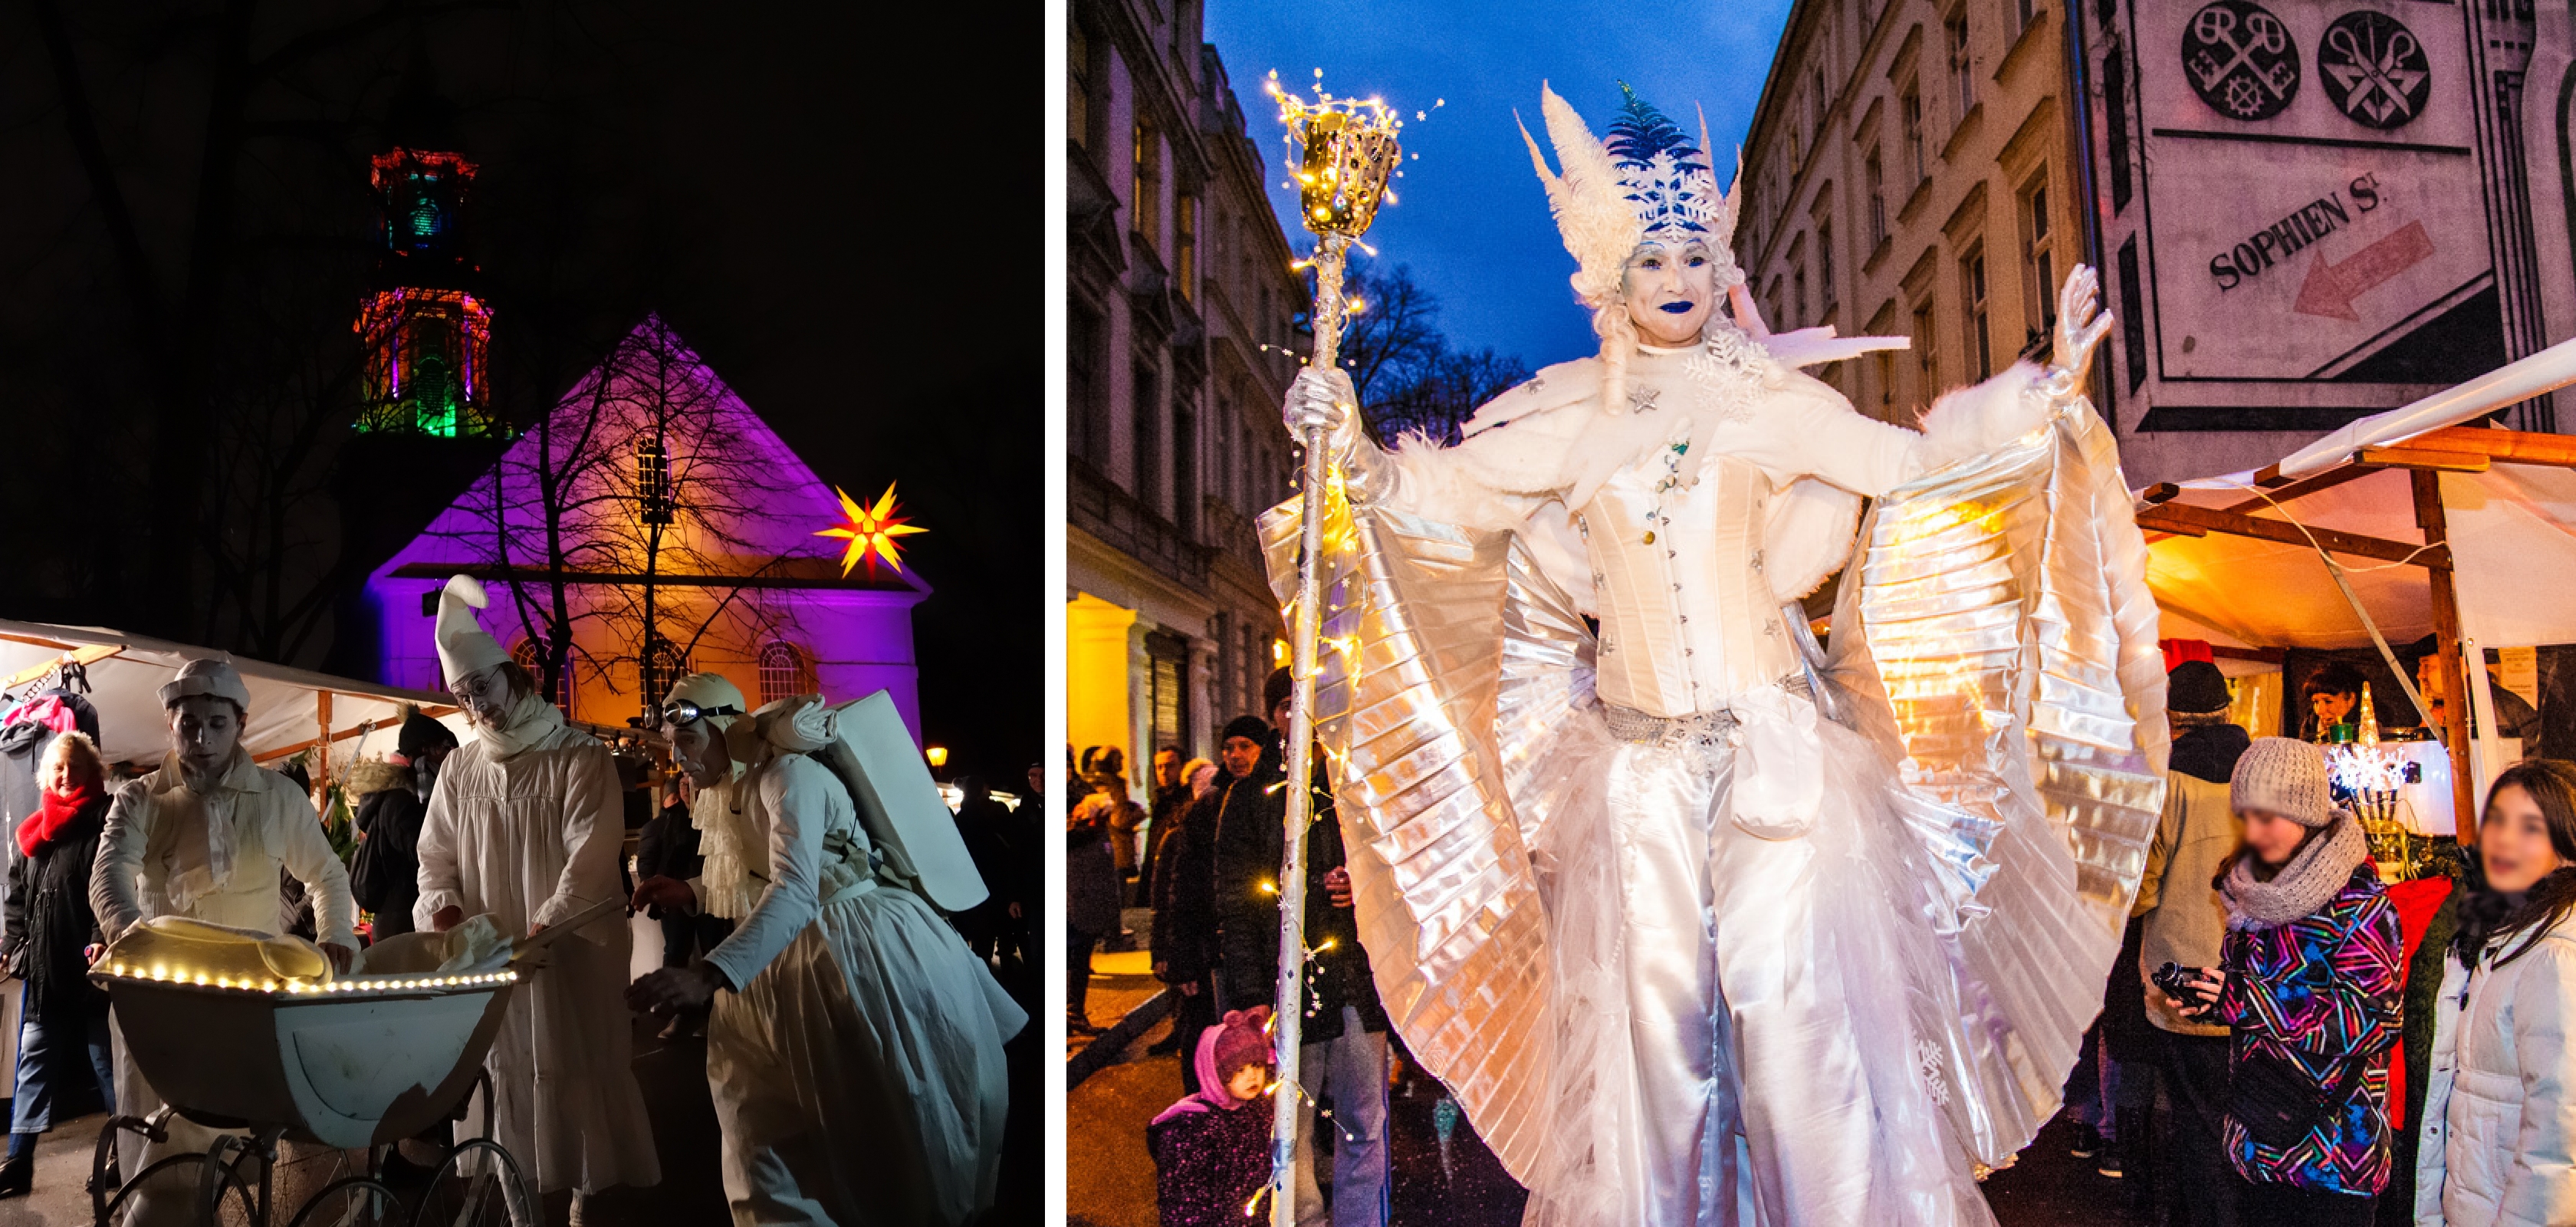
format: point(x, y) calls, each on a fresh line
point(521, 948)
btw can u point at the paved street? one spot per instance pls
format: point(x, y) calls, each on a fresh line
point(1456, 1183)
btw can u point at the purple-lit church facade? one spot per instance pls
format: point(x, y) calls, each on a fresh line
point(667, 489)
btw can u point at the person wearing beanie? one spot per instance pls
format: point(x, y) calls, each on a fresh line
point(2308, 985)
point(1212, 1149)
point(393, 799)
point(2181, 920)
point(1184, 942)
point(854, 1043)
point(205, 837)
point(527, 825)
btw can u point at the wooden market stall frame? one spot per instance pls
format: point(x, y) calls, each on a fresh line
point(2424, 458)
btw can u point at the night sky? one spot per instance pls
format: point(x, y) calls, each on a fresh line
point(1472, 219)
point(835, 209)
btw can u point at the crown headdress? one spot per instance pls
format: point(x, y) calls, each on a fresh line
point(1648, 182)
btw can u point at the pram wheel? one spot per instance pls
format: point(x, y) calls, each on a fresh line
point(354, 1202)
point(185, 1189)
point(478, 1186)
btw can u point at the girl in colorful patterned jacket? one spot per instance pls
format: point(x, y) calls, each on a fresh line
point(2309, 985)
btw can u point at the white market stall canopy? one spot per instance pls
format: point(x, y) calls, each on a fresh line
point(290, 709)
point(2400, 498)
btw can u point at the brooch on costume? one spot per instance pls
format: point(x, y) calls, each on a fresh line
point(1729, 371)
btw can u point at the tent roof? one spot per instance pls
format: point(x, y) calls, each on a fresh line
point(125, 688)
point(2511, 528)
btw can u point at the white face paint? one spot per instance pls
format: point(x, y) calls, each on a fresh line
point(203, 731)
point(485, 695)
point(1670, 291)
point(697, 748)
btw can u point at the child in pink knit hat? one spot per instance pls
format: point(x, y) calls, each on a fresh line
point(1212, 1149)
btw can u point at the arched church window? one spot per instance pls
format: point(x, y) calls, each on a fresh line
point(786, 670)
point(531, 656)
point(664, 663)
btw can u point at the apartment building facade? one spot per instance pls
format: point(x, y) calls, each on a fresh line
point(1910, 171)
point(1182, 313)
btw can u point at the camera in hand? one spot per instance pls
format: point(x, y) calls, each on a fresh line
point(2175, 979)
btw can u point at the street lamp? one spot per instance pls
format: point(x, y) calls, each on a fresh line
point(938, 756)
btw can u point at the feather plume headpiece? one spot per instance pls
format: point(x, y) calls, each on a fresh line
point(1646, 183)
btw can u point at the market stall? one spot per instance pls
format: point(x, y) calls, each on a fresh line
point(2410, 523)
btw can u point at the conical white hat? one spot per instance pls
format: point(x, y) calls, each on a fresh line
point(463, 646)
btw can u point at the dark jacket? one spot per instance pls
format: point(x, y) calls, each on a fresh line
point(1091, 885)
point(389, 816)
point(1184, 896)
point(2209, 751)
point(1247, 851)
point(48, 917)
point(668, 848)
point(1341, 976)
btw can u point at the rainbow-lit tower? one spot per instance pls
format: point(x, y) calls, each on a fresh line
point(426, 326)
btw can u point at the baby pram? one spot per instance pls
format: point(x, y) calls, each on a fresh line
point(241, 1031)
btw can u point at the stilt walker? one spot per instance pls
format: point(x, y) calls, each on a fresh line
point(1349, 152)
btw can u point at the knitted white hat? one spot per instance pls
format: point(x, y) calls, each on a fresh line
point(463, 647)
point(2283, 776)
point(207, 675)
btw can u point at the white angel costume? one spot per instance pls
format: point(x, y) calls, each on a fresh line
point(209, 852)
point(526, 825)
point(857, 1067)
point(1700, 927)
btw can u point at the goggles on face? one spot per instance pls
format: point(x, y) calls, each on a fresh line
point(681, 711)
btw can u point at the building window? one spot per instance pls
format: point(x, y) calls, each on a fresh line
point(1826, 298)
point(1874, 177)
point(786, 671)
point(1963, 71)
point(2039, 261)
point(653, 481)
point(1973, 308)
point(2024, 12)
point(663, 664)
point(1883, 367)
point(1909, 106)
point(1146, 483)
point(1185, 243)
point(1077, 80)
point(1798, 295)
point(1086, 428)
point(1145, 194)
point(1167, 704)
point(1927, 354)
point(1818, 103)
point(531, 656)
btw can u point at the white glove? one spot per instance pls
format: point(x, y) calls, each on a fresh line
point(1320, 398)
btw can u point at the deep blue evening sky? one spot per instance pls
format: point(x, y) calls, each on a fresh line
point(1472, 219)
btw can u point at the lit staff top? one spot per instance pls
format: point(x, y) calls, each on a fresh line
point(1349, 155)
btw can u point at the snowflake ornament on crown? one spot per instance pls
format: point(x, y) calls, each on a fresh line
point(1647, 183)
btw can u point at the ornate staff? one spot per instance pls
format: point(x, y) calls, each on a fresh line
point(1349, 153)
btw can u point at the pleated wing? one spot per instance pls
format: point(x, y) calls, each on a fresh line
point(1997, 633)
point(1449, 662)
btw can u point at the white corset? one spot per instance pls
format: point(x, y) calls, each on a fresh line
point(1687, 620)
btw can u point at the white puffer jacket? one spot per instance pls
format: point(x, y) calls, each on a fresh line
point(2499, 1123)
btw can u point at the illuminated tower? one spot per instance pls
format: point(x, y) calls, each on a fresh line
point(427, 330)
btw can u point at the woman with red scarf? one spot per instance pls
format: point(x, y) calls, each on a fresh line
point(46, 944)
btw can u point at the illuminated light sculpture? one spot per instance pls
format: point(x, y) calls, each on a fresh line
point(871, 532)
point(427, 334)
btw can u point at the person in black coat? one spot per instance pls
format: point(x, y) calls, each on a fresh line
point(393, 800)
point(48, 942)
point(1184, 941)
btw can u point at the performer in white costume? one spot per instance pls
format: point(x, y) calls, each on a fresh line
point(1689, 949)
point(856, 1050)
point(204, 837)
point(526, 825)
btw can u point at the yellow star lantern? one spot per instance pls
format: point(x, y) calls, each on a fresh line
point(871, 532)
